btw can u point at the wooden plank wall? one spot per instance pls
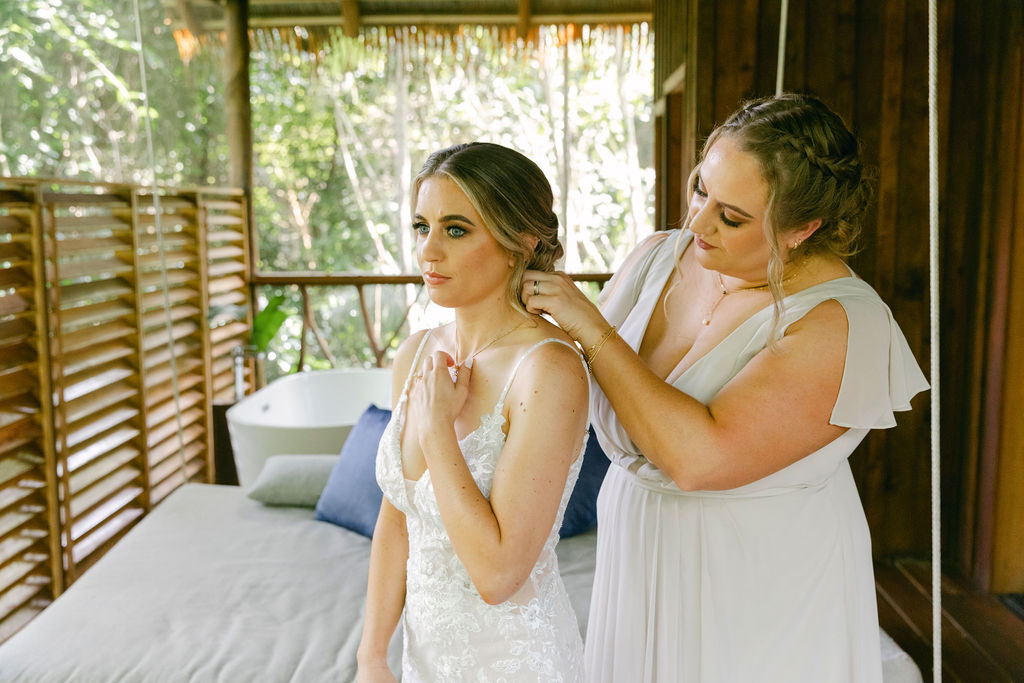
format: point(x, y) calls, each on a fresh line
point(868, 60)
point(105, 300)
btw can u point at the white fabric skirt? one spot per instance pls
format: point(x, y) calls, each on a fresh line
point(716, 588)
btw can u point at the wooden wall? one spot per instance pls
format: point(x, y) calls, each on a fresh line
point(868, 60)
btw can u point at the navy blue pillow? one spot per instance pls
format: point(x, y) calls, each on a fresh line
point(581, 512)
point(352, 498)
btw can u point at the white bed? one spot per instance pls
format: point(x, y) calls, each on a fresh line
point(215, 587)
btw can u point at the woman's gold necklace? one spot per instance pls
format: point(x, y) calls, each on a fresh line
point(459, 364)
point(706, 320)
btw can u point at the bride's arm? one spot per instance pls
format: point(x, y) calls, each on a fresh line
point(385, 593)
point(499, 539)
point(389, 553)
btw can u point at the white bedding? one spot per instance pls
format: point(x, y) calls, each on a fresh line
point(214, 587)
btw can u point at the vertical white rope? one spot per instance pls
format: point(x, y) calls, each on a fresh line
point(933, 267)
point(780, 68)
point(160, 248)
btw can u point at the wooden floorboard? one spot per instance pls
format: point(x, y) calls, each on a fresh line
point(982, 639)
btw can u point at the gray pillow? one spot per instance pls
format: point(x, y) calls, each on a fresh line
point(294, 480)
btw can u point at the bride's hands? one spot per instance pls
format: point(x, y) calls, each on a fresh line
point(558, 296)
point(435, 399)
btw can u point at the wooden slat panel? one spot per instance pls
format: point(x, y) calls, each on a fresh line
point(89, 292)
point(15, 358)
point(77, 269)
point(112, 440)
point(95, 245)
point(224, 219)
point(95, 379)
point(13, 251)
point(83, 338)
point(226, 268)
point(170, 447)
point(88, 224)
point(104, 525)
point(184, 354)
point(159, 317)
point(173, 259)
point(99, 400)
point(94, 313)
point(169, 429)
point(96, 355)
point(228, 284)
point(166, 411)
point(168, 221)
point(12, 224)
point(223, 205)
point(175, 295)
point(14, 277)
point(231, 298)
point(17, 382)
point(98, 424)
point(101, 491)
point(164, 391)
point(158, 337)
point(173, 481)
point(225, 236)
point(153, 280)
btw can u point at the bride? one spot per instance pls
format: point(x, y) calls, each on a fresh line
point(484, 445)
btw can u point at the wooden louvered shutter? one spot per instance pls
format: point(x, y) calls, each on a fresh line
point(30, 575)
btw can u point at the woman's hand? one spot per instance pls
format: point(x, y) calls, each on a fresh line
point(437, 398)
point(558, 296)
point(378, 672)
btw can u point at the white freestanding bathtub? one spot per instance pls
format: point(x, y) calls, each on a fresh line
point(308, 412)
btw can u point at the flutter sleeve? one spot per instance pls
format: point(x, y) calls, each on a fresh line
point(881, 373)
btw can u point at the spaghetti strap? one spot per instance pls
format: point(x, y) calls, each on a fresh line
point(515, 369)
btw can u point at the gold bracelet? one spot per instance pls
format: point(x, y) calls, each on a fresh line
point(596, 348)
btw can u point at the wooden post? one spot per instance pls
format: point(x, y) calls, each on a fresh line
point(350, 18)
point(238, 110)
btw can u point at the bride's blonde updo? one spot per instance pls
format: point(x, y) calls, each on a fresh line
point(512, 196)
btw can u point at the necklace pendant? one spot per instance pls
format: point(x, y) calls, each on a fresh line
point(453, 371)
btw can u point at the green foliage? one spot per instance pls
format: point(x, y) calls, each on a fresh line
point(337, 135)
point(267, 322)
point(73, 103)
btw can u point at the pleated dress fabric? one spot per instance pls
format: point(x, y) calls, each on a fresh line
point(771, 581)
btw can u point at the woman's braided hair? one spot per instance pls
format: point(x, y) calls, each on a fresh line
point(812, 164)
point(512, 196)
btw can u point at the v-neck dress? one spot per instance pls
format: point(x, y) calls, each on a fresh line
point(771, 581)
point(450, 633)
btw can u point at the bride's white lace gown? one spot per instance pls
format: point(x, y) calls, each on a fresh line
point(450, 633)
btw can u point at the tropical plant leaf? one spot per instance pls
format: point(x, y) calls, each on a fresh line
point(267, 322)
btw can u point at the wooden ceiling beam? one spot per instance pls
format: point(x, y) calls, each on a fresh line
point(612, 18)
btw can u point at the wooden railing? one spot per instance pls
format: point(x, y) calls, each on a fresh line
point(378, 340)
point(110, 361)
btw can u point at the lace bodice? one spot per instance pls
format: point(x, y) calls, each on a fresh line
point(451, 634)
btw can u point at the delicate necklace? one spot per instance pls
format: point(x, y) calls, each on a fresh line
point(706, 320)
point(459, 364)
